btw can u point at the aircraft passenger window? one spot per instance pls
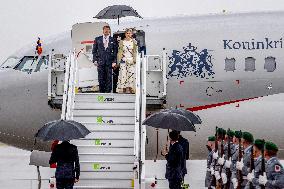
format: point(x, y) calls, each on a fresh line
point(230, 64)
point(250, 64)
point(270, 64)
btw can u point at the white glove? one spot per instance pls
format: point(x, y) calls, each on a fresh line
point(250, 176)
point(221, 160)
point(217, 175)
point(240, 165)
point(263, 179)
point(212, 171)
point(235, 182)
point(215, 155)
point(228, 163)
point(224, 178)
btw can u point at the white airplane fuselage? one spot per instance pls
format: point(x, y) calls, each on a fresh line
point(213, 60)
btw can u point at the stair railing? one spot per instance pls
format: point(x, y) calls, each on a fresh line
point(140, 131)
point(69, 87)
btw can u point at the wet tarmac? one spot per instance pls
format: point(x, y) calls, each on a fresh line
point(16, 173)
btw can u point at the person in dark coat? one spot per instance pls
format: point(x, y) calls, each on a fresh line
point(104, 57)
point(175, 161)
point(185, 146)
point(68, 167)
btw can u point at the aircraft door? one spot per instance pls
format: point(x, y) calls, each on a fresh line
point(83, 36)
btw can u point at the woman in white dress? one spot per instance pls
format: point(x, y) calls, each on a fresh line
point(126, 58)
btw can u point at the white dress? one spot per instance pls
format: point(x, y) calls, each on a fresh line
point(127, 76)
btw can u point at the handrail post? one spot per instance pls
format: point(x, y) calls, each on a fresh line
point(49, 76)
point(66, 87)
point(164, 62)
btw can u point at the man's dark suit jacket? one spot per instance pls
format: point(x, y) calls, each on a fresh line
point(175, 161)
point(185, 146)
point(102, 55)
point(67, 159)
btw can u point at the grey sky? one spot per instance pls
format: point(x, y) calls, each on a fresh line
point(23, 20)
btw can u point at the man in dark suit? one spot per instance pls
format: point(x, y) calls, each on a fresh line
point(185, 146)
point(175, 161)
point(104, 57)
point(68, 167)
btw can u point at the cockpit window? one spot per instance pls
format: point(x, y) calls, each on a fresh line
point(10, 62)
point(31, 64)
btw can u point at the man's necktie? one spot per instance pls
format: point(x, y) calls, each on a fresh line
point(105, 42)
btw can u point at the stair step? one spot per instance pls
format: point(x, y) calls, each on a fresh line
point(107, 106)
point(105, 97)
point(103, 127)
point(106, 157)
point(106, 167)
point(111, 135)
point(106, 183)
point(113, 112)
point(106, 120)
point(107, 153)
point(104, 143)
point(106, 175)
point(102, 150)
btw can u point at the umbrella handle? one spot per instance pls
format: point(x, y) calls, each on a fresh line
point(157, 143)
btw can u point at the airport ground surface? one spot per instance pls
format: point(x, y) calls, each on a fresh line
point(16, 173)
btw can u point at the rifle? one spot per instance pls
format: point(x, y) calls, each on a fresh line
point(228, 170)
point(251, 164)
point(220, 182)
point(262, 163)
point(213, 179)
point(239, 173)
point(208, 148)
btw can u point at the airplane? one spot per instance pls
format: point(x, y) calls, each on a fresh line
point(212, 61)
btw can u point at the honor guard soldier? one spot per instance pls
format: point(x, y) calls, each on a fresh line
point(245, 164)
point(258, 158)
point(229, 150)
point(211, 147)
point(235, 157)
point(273, 178)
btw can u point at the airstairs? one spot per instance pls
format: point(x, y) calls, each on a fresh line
point(113, 154)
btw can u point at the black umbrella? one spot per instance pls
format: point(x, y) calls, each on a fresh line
point(168, 120)
point(116, 12)
point(195, 119)
point(62, 130)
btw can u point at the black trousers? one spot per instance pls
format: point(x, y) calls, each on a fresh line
point(105, 77)
point(115, 79)
point(64, 183)
point(175, 184)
